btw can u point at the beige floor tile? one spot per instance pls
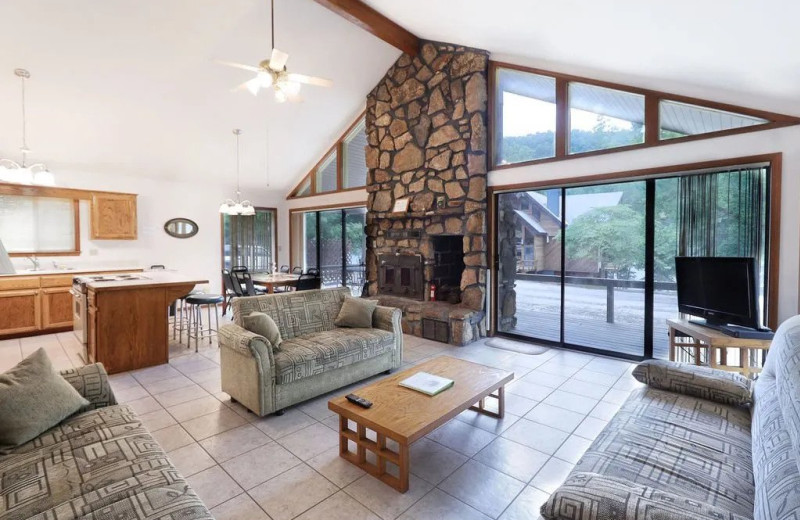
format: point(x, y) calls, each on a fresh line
point(385, 501)
point(529, 390)
point(486, 489)
point(462, 437)
point(613, 367)
point(590, 428)
point(570, 401)
point(310, 441)
point(339, 506)
point(191, 459)
point(241, 507)
point(552, 475)
point(604, 410)
point(156, 420)
point(334, 468)
point(156, 373)
point(196, 408)
point(512, 458)
point(232, 443)
point(438, 505)
point(597, 378)
point(193, 363)
point(292, 492)
point(558, 418)
point(144, 405)
point(485, 422)
point(537, 377)
point(214, 486)
point(317, 408)
point(558, 369)
point(209, 374)
point(216, 422)
point(434, 462)
point(259, 465)
point(132, 393)
point(616, 396)
point(526, 505)
point(166, 385)
point(518, 405)
point(122, 380)
point(537, 436)
point(172, 437)
point(584, 388)
point(573, 449)
point(180, 395)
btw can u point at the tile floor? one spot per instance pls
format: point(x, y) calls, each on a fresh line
point(280, 468)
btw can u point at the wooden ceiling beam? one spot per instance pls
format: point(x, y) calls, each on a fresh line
point(374, 22)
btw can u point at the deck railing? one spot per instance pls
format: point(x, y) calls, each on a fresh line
point(610, 284)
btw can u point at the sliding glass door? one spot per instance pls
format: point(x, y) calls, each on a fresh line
point(334, 242)
point(593, 267)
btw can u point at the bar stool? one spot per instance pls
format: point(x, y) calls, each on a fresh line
point(196, 302)
point(180, 318)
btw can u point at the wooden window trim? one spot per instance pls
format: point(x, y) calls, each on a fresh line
point(338, 148)
point(311, 209)
point(775, 161)
point(76, 249)
point(652, 100)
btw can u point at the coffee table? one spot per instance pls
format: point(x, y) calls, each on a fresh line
point(404, 415)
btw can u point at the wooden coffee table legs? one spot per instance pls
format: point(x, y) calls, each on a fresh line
point(384, 455)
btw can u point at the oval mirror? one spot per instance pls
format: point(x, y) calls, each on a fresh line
point(181, 228)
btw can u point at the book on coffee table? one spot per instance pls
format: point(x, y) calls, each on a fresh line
point(427, 383)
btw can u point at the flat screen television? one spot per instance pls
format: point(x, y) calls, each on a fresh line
point(722, 290)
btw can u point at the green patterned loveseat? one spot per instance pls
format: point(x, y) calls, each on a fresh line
point(100, 464)
point(315, 357)
point(695, 444)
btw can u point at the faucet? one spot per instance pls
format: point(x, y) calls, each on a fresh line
point(34, 261)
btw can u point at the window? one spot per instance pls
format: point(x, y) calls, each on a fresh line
point(526, 116)
point(355, 162)
point(602, 118)
point(325, 178)
point(332, 174)
point(682, 119)
point(249, 240)
point(39, 225)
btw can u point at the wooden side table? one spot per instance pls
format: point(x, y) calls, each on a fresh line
point(716, 343)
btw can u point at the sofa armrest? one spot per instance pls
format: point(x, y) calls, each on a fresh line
point(390, 319)
point(91, 381)
point(246, 343)
point(721, 386)
point(589, 496)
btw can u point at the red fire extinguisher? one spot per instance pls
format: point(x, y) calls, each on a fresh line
point(433, 292)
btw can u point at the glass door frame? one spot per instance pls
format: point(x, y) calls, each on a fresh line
point(772, 239)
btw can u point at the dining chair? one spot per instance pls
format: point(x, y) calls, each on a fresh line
point(232, 289)
point(313, 271)
point(307, 282)
point(284, 269)
point(297, 270)
point(157, 267)
point(245, 281)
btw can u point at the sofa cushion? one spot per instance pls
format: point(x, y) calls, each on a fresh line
point(312, 354)
point(682, 445)
point(699, 381)
point(99, 464)
point(262, 324)
point(33, 399)
point(356, 313)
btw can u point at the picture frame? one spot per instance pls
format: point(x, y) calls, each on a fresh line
point(401, 205)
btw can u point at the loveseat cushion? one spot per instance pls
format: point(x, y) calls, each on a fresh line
point(99, 464)
point(690, 447)
point(698, 381)
point(312, 354)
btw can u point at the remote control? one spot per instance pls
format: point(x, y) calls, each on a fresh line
point(360, 401)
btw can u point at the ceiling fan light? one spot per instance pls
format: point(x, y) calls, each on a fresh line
point(254, 85)
point(280, 95)
point(264, 79)
point(44, 178)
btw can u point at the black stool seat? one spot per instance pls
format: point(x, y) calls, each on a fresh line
point(203, 299)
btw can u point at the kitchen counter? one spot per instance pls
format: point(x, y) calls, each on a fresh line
point(87, 270)
point(148, 279)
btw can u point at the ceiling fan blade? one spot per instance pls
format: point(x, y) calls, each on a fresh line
point(254, 85)
point(240, 87)
point(235, 65)
point(278, 59)
point(310, 80)
point(295, 98)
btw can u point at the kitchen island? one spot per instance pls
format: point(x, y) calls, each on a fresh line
point(128, 320)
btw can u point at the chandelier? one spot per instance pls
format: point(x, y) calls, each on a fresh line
point(238, 206)
point(12, 171)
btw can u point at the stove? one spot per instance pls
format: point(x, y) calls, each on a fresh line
point(79, 282)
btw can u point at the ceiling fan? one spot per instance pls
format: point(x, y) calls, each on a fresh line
point(272, 73)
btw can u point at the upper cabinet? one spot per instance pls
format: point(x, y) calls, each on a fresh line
point(113, 216)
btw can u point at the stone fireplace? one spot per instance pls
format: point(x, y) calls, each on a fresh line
point(426, 132)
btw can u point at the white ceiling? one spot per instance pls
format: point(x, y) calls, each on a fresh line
point(130, 87)
point(743, 52)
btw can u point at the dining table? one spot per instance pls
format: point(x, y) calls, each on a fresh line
point(273, 280)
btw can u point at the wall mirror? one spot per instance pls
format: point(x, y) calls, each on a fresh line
point(181, 227)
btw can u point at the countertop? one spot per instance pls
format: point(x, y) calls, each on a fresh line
point(77, 271)
point(150, 279)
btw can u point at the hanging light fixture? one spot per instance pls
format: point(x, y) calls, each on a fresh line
point(238, 206)
point(12, 171)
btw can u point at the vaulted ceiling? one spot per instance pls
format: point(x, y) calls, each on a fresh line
point(130, 86)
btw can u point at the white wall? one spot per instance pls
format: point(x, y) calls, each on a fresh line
point(159, 201)
point(783, 140)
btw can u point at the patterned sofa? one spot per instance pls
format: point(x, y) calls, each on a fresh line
point(679, 448)
point(98, 464)
point(314, 357)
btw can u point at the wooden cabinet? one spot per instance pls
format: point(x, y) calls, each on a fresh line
point(113, 216)
point(56, 308)
point(20, 311)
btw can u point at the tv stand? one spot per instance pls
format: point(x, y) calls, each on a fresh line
point(736, 331)
point(694, 338)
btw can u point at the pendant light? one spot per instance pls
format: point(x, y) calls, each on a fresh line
point(12, 171)
point(238, 206)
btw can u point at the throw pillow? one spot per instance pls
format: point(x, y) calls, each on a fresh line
point(263, 325)
point(356, 313)
point(33, 399)
point(698, 381)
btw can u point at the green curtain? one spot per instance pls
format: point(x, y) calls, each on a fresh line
point(249, 241)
